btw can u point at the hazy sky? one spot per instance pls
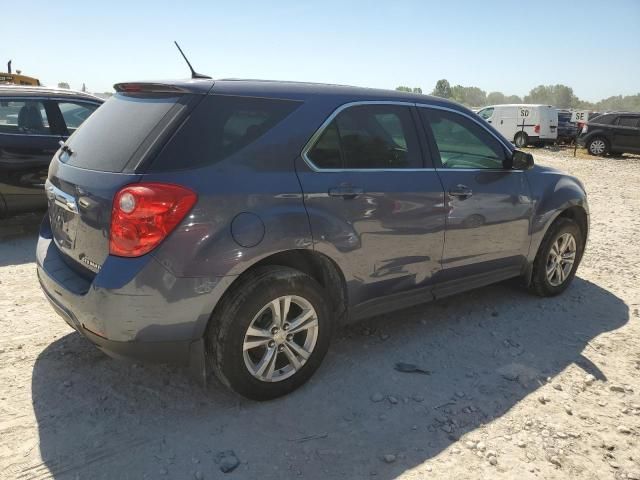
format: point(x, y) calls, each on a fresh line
point(510, 46)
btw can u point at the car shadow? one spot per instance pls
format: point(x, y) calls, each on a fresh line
point(486, 350)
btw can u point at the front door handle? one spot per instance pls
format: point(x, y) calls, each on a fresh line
point(348, 192)
point(461, 191)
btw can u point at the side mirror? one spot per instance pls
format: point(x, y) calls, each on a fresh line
point(521, 160)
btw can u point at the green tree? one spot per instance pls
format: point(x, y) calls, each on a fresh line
point(496, 98)
point(442, 89)
point(402, 88)
point(470, 96)
point(63, 85)
point(559, 96)
point(513, 99)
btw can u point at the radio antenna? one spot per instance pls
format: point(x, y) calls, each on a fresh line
point(194, 74)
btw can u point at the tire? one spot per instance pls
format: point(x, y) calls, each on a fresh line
point(548, 285)
point(521, 139)
point(598, 146)
point(227, 335)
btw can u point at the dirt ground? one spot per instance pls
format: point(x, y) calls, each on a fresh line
point(521, 387)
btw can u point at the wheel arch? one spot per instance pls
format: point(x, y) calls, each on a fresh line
point(576, 212)
point(317, 265)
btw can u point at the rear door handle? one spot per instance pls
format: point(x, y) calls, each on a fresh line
point(461, 191)
point(347, 192)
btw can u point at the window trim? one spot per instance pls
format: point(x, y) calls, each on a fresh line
point(43, 99)
point(318, 133)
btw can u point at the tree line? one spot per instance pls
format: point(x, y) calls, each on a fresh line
point(560, 96)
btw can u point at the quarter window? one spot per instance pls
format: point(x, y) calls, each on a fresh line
point(461, 142)
point(23, 116)
point(75, 113)
point(369, 137)
point(220, 127)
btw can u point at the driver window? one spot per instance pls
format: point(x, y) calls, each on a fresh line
point(461, 142)
point(486, 113)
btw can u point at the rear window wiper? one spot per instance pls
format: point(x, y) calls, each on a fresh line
point(65, 148)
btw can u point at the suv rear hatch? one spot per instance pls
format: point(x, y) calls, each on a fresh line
point(109, 151)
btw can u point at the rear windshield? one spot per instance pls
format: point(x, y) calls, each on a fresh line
point(110, 137)
point(219, 127)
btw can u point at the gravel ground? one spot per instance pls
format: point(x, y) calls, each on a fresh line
point(520, 387)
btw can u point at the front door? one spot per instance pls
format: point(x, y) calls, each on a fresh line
point(626, 136)
point(373, 208)
point(488, 206)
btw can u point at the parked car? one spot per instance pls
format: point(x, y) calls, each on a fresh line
point(524, 124)
point(235, 224)
point(612, 133)
point(567, 130)
point(32, 122)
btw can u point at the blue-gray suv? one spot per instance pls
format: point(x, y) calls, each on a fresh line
point(232, 225)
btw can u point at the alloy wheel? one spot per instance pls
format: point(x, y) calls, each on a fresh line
point(280, 338)
point(561, 259)
point(597, 147)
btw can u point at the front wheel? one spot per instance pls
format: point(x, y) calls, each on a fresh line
point(270, 333)
point(557, 259)
point(598, 146)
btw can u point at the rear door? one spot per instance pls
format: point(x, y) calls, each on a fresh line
point(373, 207)
point(488, 205)
point(98, 160)
point(548, 121)
point(27, 143)
point(626, 136)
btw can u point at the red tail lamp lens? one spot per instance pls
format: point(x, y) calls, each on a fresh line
point(144, 214)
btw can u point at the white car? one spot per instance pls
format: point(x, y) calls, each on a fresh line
point(523, 124)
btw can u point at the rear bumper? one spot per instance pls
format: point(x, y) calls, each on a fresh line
point(133, 308)
point(176, 352)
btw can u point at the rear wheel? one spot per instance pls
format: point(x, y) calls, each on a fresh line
point(598, 146)
point(270, 333)
point(521, 139)
point(557, 259)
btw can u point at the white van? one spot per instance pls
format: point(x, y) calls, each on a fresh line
point(523, 124)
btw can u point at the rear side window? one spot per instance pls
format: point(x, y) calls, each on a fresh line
point(112, 135)
point(628, 121)
point(27, 117)
point(368, 137)
point(219, 127)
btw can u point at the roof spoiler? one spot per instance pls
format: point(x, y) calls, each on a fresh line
point(143, 87)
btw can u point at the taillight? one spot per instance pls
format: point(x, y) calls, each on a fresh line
point(144, 214)
point(536, 129)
